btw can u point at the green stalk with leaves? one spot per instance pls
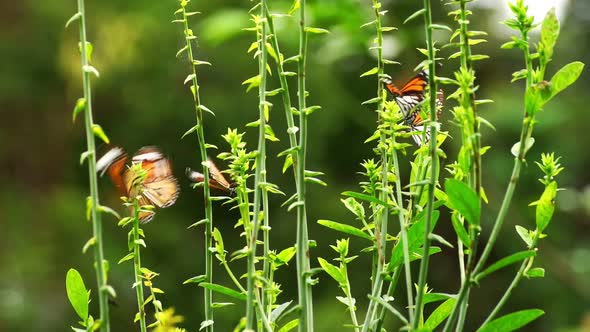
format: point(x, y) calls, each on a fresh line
point(433, 154)
point(93, 207)
point(537, 93)
point(203, 146)
point(260, 193)
point(303, 265)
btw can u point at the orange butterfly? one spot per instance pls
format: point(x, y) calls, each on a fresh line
point(410, 99)
point(159, 187)
point(216, 180)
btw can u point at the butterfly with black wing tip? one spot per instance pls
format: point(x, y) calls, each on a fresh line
point(217, 180)
point(159, 187)
point(410, 98)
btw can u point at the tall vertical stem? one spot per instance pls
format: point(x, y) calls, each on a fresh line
point(434, 164)
point(137, 266)
point(101, 274)
point(208, 294)
point(304, 288)
point(260, 173)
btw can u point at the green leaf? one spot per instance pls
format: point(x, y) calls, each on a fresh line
point(333, 271)
point(91, 69)
point(190, 131)
point(88, 244)
point(278, 311)
point(206, 323)
point(546, 206)
point(512, 322)
point(98, 132)
point(527, 146)
point(435, 297)
point(190, 77)
point(415, 241)
point(73, 18)
point(195, 280)
point(370, 72)
point(347, 229)
point(88, 207)
point(316, 30)
point(79, 108)
point(566, 76)
point(127, 257)
point(463, 199)
point(108, 210)
point(364, 197)
point(224, 290)
point(536, 272)
point(525, 235)
point(416, 14)
point(439, 314)
point(84, 155)
point(77, 293)
point(291, 324)
point(509, 260)
point(549, 33)
point(460, 230)
point(440, 27)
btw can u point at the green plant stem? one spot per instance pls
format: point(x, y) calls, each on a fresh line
point(390, 290)
point(433, 168)
point(468, 103)
point(101, 274)
point(208, 293)
point(347, 292)
point(302, 255)
point(260, 172)
point(137, 266)
point(514, 177)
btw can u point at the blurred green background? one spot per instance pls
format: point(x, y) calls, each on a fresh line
point(140, 100)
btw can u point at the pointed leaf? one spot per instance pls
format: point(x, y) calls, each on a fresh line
point(512, 322)
point(439, 314)
point(224, 290)
point(463, 199)
point(509, 260)
point(77, 293)
point(347, 229)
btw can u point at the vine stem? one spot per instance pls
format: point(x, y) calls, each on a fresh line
point(101, 274)
point(208, 293)
point(434, 165)
point(137, 266)
point(302, 254)
point(260, 173)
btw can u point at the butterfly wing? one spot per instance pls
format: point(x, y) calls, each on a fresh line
point(114, 162)
point(162, 193)
point(411, 95)
point(217, 176)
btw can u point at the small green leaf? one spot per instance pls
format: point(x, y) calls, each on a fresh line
point(440, 27)
point(512, 322)
point(439, 314)
point(333, 271)
point(180, 51)
point(316, 30)
point(195, 280)
point(347, 229)
point(200, 63)
point(206, 323)
point(77, 293)
point(536, 272)
point(565, 77)
point(278, 311)
point(460, 230)
point(364, 197)
point(88, 207)
point(370, 72)
point(73, 18)
point(127, 257)
point(525, 235)
point(549, 33)
point(189, 78)
point(98, 132)
point(293, 323)
point(108, 210)
point(79, 108)
point(463, 199)
point(546, 206)
point(190, 131)
point(84, 155)
point(91, 69)
point(528, 145)
point(509, 260)
point(200, 222)
point(224, 290)
point(415, 15)
point(88, 244)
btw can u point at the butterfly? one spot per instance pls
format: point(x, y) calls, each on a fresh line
point(159, 187)
point(410, 98)
point(216, 180)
